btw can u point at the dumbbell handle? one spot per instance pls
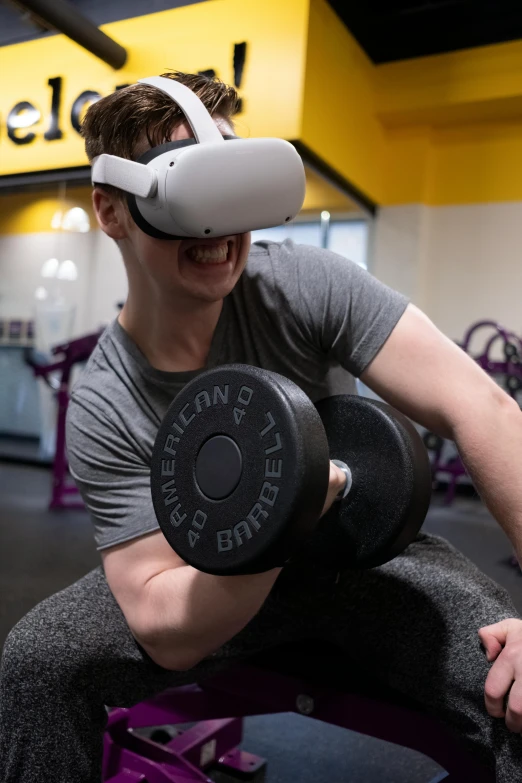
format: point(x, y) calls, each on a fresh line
point(348, 482)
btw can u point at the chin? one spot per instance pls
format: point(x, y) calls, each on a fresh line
point(210, 293)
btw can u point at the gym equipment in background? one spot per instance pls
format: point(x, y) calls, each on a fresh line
point(57, 375)
point(506, 370)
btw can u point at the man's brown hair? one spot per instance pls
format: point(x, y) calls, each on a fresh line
point(130, 119)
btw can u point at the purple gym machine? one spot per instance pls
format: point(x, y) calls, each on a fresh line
point(210, 714)
point(508, 370)
point(57, 375)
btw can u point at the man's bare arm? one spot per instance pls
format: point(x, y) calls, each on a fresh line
point(426, 376)
point(180, 615)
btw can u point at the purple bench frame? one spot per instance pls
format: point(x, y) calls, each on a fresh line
point(218, 706)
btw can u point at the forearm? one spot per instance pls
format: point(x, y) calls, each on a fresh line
point(489, 439)
point(190, 614)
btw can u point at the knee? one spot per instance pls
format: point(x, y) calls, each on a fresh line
point(39, 650)
point(11, 659)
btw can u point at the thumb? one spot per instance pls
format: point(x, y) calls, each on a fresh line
point(493, 638)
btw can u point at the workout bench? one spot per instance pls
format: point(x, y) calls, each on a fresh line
point(284, 679)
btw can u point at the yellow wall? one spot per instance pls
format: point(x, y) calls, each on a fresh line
point(445, 129)
point(25, 213)
point(454, 126)
point(191, 38)
point(339, 121)
point(469, 85)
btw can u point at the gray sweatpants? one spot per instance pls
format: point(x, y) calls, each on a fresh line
point(414, 621)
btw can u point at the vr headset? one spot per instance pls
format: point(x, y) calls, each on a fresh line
point(208, 186)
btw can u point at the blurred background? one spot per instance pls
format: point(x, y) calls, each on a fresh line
point(408, 116)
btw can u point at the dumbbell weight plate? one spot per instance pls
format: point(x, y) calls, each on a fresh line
point(239, 470)
point(391, 488)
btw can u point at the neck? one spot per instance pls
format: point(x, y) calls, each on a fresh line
point(173, 336)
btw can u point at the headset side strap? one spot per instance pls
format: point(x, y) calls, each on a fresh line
point(124, 174)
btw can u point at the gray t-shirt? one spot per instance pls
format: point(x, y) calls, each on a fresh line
point(306, 313)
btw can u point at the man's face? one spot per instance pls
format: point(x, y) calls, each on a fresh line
point(199, 269)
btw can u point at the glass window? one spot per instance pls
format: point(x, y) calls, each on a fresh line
point(300, 233)
point(349, 238)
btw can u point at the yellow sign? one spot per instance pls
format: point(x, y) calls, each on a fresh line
point(47, 85)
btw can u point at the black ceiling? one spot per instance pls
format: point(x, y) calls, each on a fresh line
point(386, 29)
point(17, 26)
point(399, 29)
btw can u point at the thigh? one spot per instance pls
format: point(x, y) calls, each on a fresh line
point(415, 620)
point(78, 640)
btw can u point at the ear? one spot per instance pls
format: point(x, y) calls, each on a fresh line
point(110, 212)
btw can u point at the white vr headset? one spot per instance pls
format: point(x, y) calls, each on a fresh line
point(209, 186)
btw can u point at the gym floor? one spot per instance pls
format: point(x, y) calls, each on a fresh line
point(42, 552)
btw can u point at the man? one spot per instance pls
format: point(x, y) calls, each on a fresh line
point(148, 621)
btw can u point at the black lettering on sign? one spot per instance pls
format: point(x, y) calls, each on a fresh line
point(80, 106)
point(22, 115)
point(53, 132)
point(238, 64)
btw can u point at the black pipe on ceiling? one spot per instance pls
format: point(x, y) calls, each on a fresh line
point(61, 16)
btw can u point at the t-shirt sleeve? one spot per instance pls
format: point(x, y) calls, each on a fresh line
point(112, 474)
point(341, 308)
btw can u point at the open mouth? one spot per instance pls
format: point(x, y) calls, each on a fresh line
point(212, 255)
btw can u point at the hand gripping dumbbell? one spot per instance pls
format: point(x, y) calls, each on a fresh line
point(240, 471)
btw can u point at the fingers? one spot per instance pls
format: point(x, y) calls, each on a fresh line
point(514, 708)
point(337, 481)
point(492, 647)
point(498, 683)
point(493, 638)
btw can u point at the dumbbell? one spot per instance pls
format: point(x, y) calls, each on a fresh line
point(432, 442)
point(240, 473)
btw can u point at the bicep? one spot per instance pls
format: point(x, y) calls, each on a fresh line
point(113, 475)
point(422, 373)
point(128, 569)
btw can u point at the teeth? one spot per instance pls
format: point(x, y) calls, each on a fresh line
point(208, 255)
